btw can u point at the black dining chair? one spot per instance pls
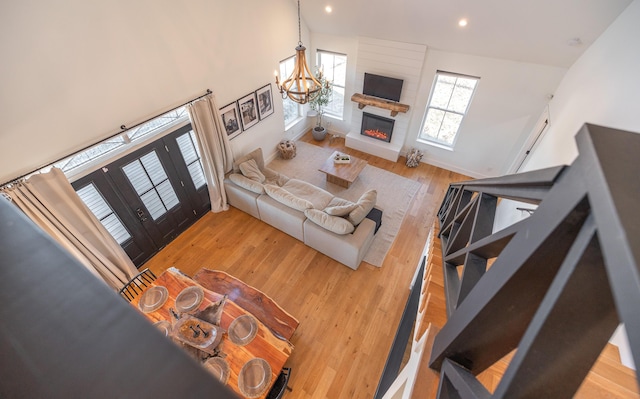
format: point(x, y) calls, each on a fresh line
point(136, 285)
point(280, 386)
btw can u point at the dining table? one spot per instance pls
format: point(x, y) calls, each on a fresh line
point(253, 358)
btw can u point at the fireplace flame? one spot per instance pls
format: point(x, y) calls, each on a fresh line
point(376, 133)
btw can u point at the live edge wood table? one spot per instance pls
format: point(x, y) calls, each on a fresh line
point(342, 174)
point(272, 347)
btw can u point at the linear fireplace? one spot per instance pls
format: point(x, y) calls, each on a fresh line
point(377, 127)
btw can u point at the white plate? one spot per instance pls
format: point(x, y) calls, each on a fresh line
point(254, 378)
point(243, 330)
point(153, 299)
point(189, 299)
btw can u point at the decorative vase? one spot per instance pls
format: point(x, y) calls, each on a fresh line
point(319, 133)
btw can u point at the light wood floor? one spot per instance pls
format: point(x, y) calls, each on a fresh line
point(347, 318)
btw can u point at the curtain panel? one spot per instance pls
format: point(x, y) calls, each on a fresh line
point(51, 202)
point(214, 148)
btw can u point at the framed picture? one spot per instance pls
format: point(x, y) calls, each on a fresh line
point(248, 111)
point(231, 119)
point(265, 101)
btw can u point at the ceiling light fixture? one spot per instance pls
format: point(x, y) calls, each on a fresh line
point(463, 22)
point(301, 86)
point(328, 9)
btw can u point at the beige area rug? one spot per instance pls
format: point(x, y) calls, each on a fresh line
point(394, 192)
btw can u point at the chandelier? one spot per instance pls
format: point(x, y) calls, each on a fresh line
point(301, 86)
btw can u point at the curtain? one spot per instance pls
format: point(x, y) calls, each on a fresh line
point(51, 202)
point(214, 148)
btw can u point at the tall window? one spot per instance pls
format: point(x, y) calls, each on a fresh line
point(334, 68)
point(292, 110)
point(448, 104)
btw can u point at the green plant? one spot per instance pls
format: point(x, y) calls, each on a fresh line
point(322, 98)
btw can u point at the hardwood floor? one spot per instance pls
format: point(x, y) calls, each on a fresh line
point(347, 318)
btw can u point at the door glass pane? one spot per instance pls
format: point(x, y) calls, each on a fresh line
point(150, 181)
point(90, 195)
point(189, 151)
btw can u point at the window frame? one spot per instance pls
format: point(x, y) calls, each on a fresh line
point(423, 138)
point(285, 74)
point(329, 109)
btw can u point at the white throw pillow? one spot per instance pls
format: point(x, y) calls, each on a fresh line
point(247, 184)
point(251, 171)
point(284, 197)
point(340, 207)
point(364, 205)
point(335, 224)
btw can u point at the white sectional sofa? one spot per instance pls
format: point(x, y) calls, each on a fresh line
point(331, 225)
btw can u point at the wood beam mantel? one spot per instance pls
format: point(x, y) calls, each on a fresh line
point(364, 100)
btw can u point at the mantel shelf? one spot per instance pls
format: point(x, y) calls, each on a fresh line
point(364, 100)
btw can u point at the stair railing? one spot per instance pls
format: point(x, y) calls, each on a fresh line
point(554, 285)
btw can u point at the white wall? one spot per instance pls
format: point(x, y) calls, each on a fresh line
point(73, 71)
point(601, 87)
point(506, 105)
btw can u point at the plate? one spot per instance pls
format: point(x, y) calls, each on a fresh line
point(219, 368)
point(254, 378)
point(164, 327)
point(189, 299)
point(153, 299)
point(243, 330)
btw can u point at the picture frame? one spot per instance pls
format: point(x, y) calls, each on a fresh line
point(265, 101)
point(230, 115)
point(248, 110)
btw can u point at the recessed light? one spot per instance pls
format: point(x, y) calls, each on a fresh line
point(575, 42)
point(328, 9)
point(463, 22)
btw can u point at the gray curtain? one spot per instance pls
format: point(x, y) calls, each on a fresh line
point(51, 202)
point(215, 149)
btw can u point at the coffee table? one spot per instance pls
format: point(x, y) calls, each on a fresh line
point(342, 174)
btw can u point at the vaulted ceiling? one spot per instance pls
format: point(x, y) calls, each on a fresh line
point(534, 31)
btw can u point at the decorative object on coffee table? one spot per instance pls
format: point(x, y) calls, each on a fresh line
point(413, 157)
point(341, 158)
point(287, 149)
point(342, 174)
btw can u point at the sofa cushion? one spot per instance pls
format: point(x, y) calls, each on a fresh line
point(335, 224)
point(250, 170)
point(255, 155)
point(246, 183)
point(340, 207)
point(307, 191)
point(283, 196)
point(366, 202)
point(273, 177)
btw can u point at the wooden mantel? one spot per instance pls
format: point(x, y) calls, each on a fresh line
point(364, 100)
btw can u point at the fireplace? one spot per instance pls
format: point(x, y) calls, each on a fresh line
point(377, 127)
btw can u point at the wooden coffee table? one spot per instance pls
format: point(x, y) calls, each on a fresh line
point(342, 174)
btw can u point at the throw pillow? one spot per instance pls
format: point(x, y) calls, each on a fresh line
point(335, 224)
point(255, 155)
point(340, 207)
point(250, 170)
point(366, 202)
point(284, 197)
point(247, 184)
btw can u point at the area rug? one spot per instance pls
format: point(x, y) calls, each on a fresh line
point(394, 192)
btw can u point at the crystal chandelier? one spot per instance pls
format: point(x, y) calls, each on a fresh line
point(301, 86)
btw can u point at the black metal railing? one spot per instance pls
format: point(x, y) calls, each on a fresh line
point(554, 285)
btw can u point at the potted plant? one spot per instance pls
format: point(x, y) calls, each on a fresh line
point(317, 105)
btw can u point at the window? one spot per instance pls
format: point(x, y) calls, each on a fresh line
point(334, 68)
point(103, 211)
point(292, 110)
point(135, 135)
point(449, 102)
point(191, 155)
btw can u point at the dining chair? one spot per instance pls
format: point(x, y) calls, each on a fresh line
point(280, 386)
point(137, 284)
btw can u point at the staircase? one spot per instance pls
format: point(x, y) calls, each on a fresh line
point(527, 311)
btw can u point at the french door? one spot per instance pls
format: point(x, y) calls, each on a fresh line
point(147, 198)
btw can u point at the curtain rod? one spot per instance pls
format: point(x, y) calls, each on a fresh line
point(123, 129)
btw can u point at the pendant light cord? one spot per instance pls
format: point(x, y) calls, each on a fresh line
point(299, 29)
